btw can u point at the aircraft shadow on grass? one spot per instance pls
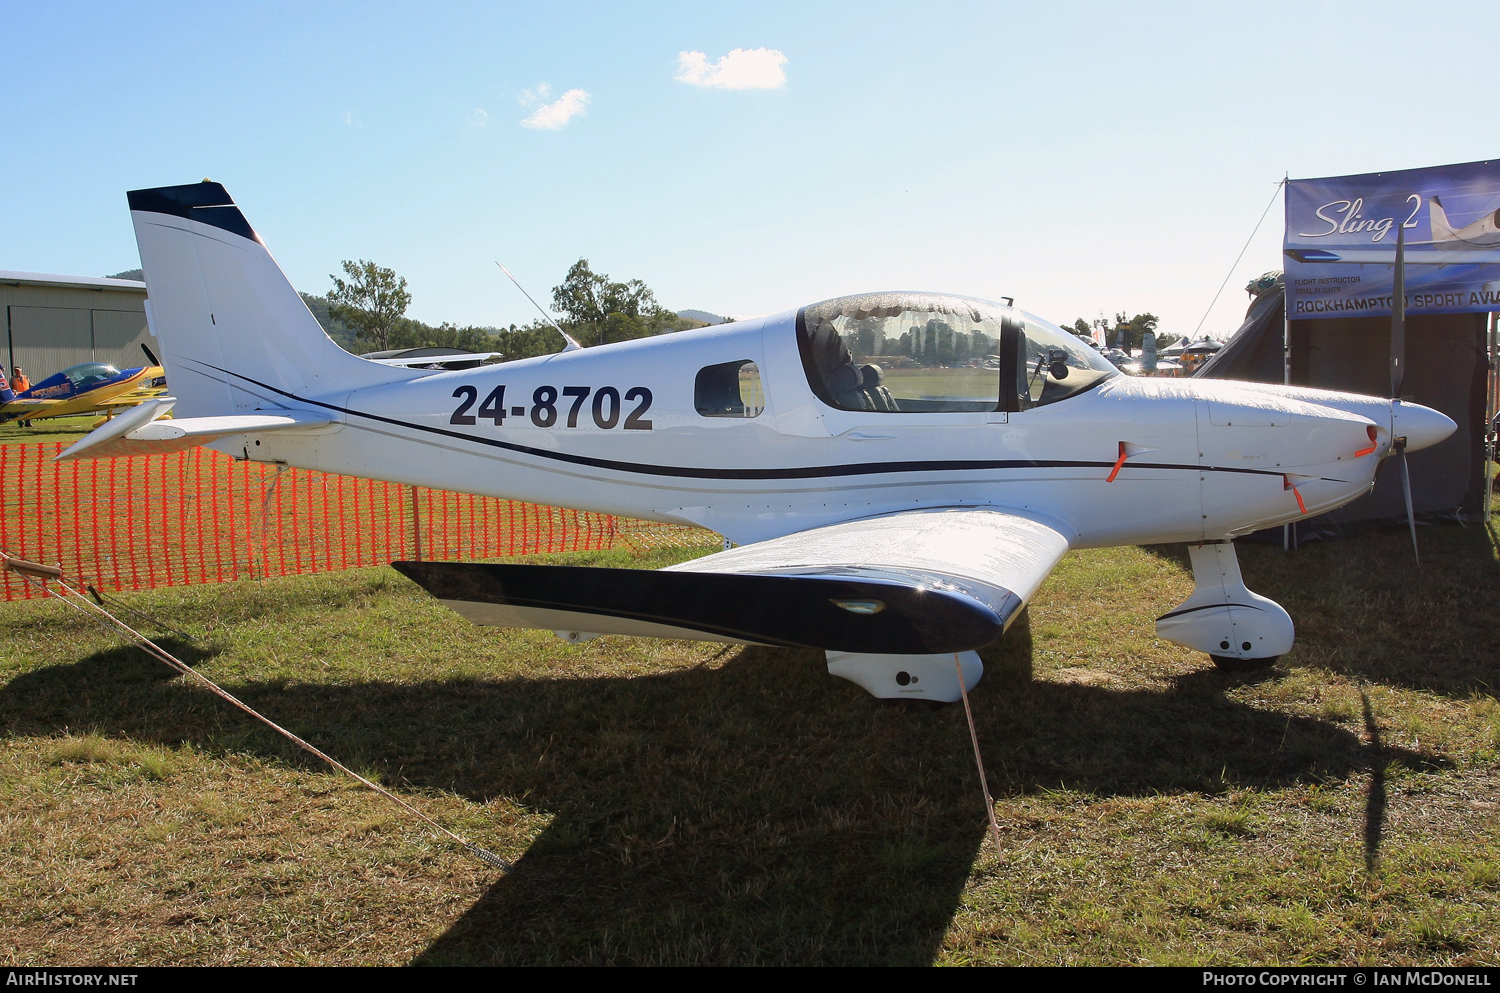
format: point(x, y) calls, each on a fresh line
point(749, 810)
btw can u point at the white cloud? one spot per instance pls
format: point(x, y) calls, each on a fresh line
point(741, 69)
point(480, 118)
point(533, 95)
point(552, 116)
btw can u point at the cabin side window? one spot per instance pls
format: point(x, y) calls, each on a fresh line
point(902, 353)
point(729, 389)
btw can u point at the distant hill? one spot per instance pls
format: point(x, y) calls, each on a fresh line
point(337, 330)
point(702, 316)
point(129, 274)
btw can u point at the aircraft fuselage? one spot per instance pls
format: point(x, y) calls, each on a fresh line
point(616, 429)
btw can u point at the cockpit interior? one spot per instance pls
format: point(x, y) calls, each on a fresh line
point(922, 352)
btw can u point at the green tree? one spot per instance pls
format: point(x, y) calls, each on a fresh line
point(598, 310)
point(372, 301)
point(414, 334)
point(1139, 325)
point(536, 338)
point(1132, 329)
point(341, 333)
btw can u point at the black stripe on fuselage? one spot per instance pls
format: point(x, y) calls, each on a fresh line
point(786, 472)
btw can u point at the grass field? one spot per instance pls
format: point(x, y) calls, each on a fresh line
point(672, 802)
point(48, 429)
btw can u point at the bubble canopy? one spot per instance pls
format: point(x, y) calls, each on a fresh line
point(925, 352)
point(89, 373)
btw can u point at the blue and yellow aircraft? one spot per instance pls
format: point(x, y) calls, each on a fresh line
point(87, 388)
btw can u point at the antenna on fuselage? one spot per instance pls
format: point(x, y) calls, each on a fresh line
point(571, 343)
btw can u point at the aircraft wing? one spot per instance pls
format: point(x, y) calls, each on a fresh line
point(26, 408)
point(918, 582)
point(127, 401)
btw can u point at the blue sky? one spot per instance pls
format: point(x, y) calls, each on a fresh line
point(1079, 157)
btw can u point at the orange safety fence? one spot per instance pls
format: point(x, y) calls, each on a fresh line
point(200, 516)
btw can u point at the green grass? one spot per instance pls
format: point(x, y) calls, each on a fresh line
point(47, 429)
point(676, 802)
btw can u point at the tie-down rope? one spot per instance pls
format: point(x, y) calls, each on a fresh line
point(989, 804)
point(39, 575)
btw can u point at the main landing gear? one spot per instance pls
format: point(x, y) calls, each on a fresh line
point(908, 677)
point(1240, 630)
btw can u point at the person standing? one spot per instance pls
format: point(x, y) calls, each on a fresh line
point(18, 381)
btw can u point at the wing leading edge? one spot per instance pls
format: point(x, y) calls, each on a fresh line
point(919, 582)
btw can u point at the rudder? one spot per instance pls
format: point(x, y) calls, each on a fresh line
point(235, 334)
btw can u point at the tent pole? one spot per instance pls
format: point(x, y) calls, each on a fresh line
point(1286, 377)
point(1491, 402)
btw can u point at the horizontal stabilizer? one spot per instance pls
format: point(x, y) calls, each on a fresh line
point(463, 360)
point(140, 431)
point(851, 614)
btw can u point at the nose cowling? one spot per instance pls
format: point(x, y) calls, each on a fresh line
point(1422, 426)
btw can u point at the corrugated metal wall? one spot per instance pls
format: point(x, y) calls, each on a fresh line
point(118, 335)
point(50, 328)
point(46, 339)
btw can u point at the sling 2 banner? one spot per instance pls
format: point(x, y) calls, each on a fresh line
point(1340, 241)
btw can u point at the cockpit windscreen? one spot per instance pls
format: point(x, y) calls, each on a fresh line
point(917, 352)
point(90, 374)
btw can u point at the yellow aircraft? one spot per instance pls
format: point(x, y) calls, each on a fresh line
point(87, 388)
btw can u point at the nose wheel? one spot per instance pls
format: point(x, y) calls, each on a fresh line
point(1240, 630)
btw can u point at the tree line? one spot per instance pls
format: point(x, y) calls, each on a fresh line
point(365, 311)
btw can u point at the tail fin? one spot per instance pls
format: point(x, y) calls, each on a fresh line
point(235, 335)
point(1438, 218)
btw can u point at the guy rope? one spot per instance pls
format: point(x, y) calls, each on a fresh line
point(49, 578)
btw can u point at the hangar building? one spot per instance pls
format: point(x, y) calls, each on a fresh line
point(53, 322)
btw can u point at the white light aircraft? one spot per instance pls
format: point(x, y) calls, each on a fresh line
point(1484, 232)
point(897, 498)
